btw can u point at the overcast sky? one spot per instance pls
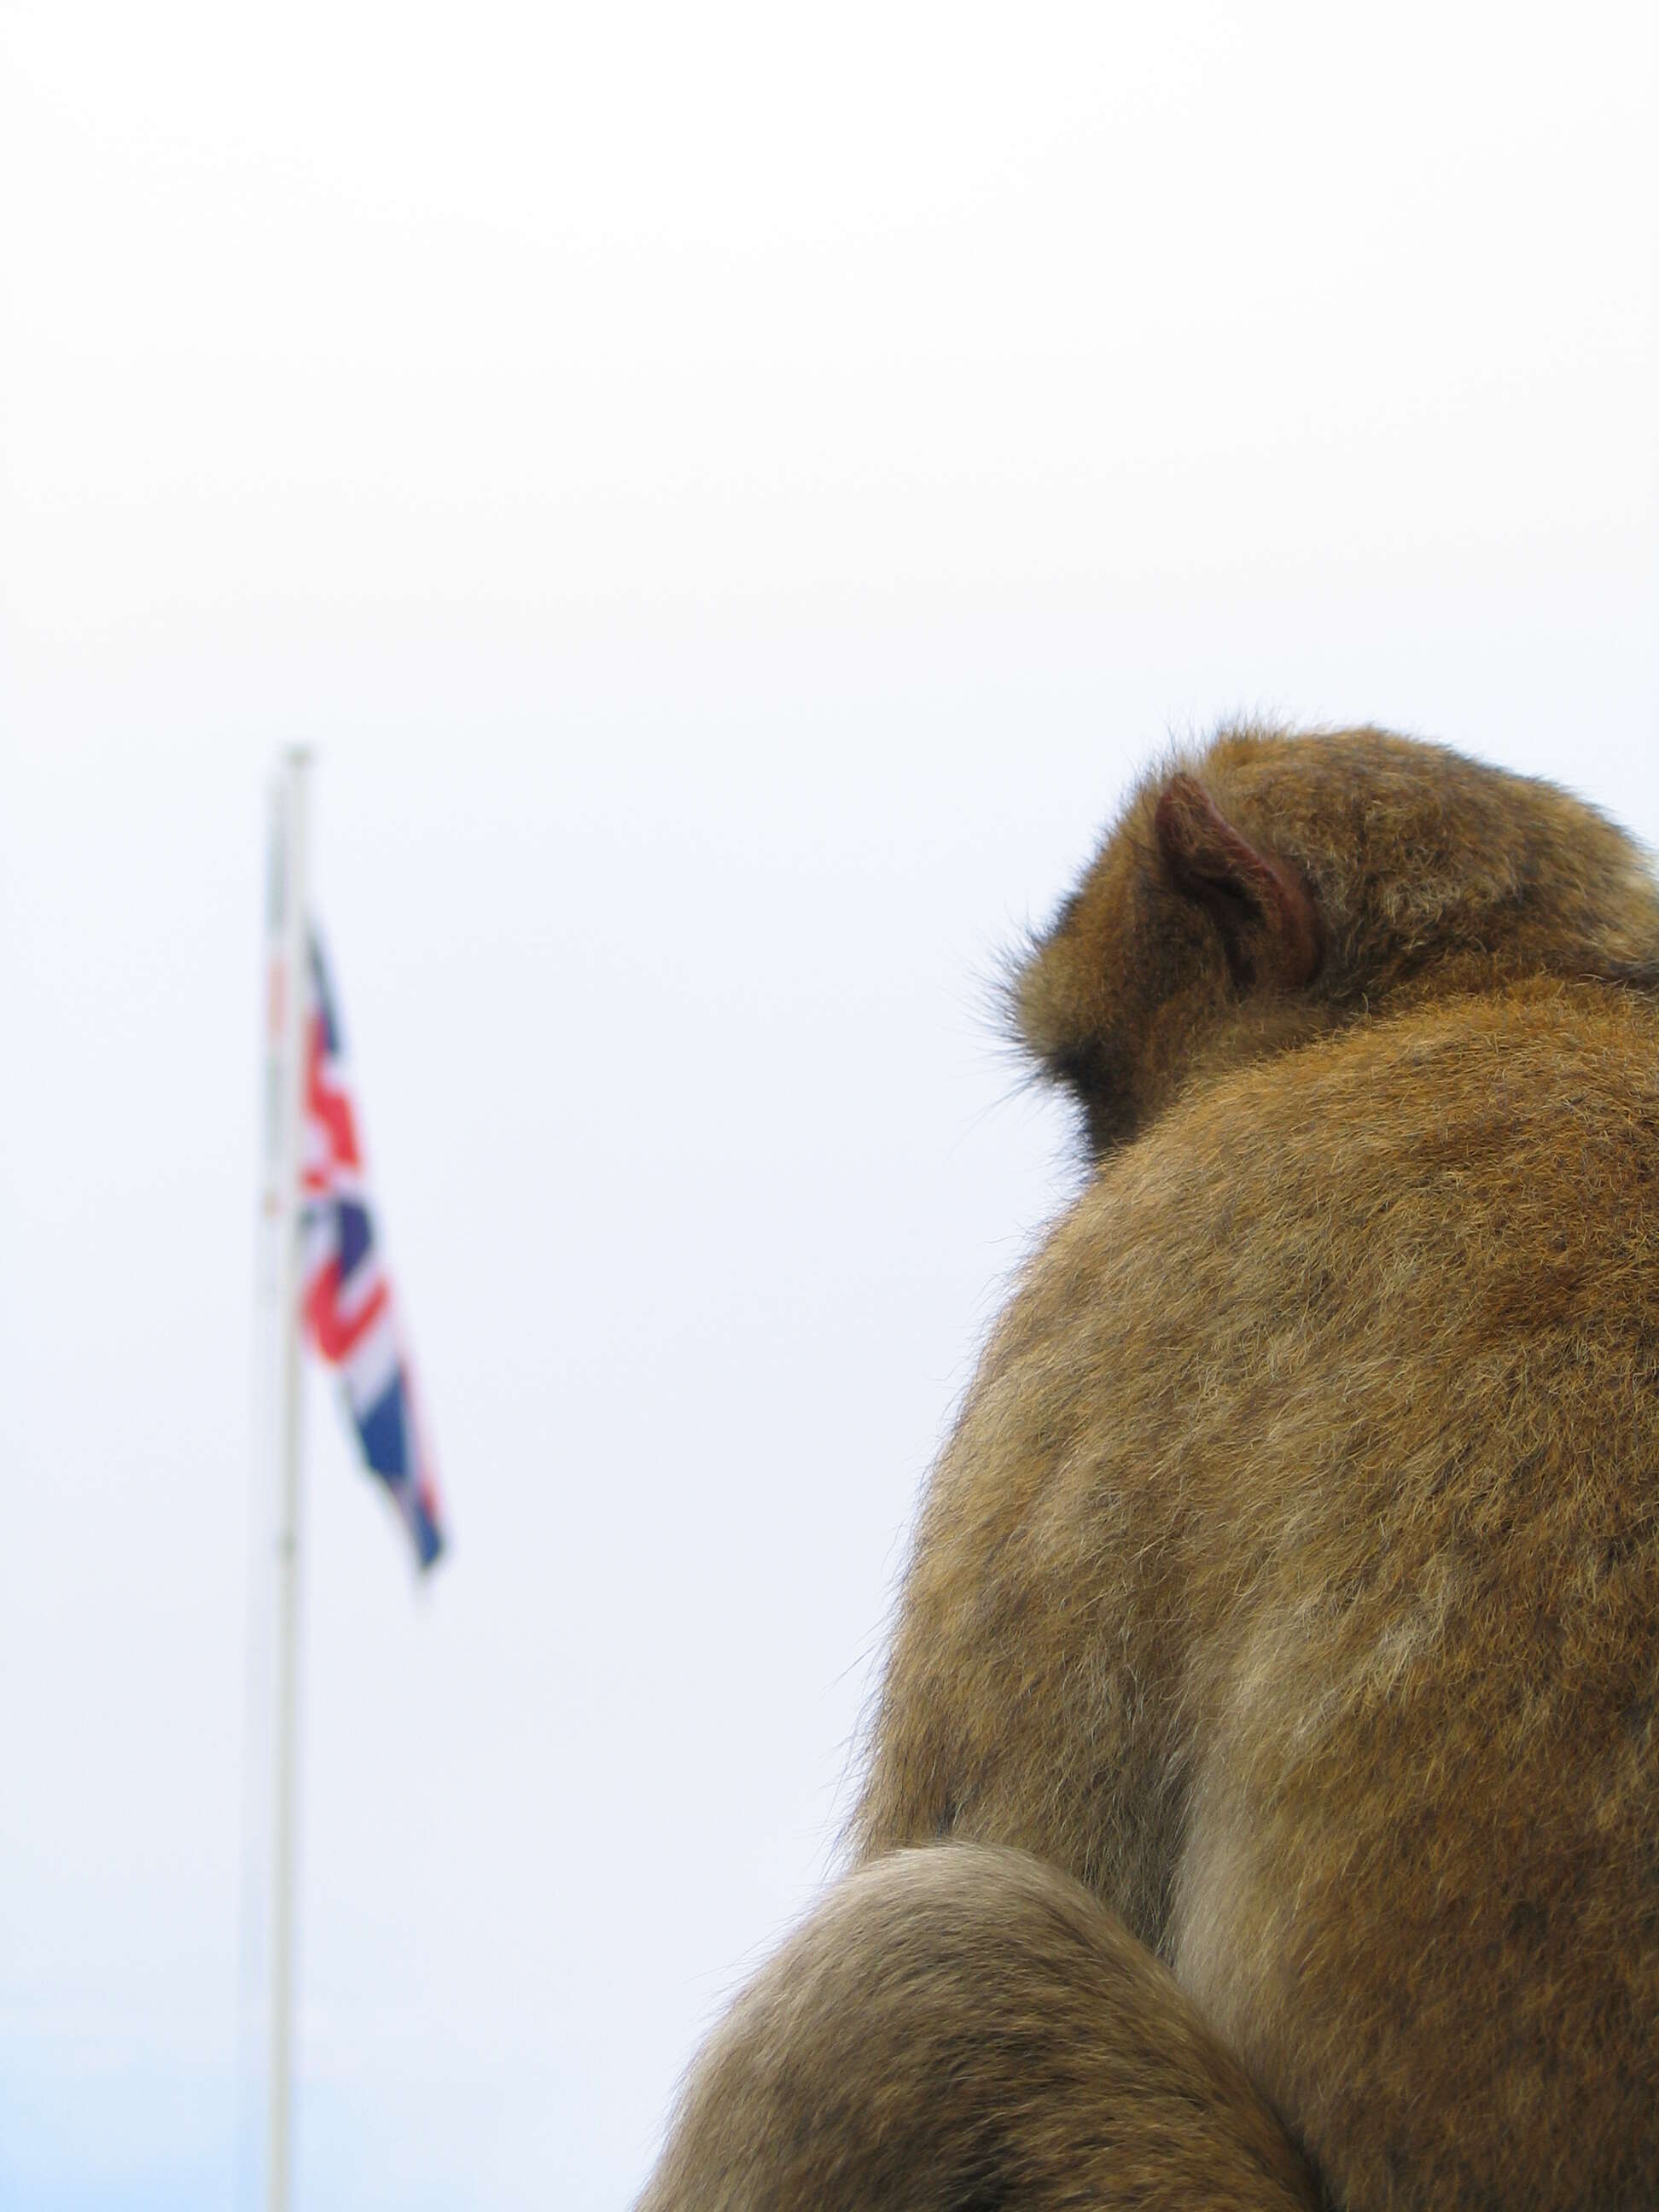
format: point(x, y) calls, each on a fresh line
point(731, 495)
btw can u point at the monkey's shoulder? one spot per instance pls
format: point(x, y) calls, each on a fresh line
point(1495, 1076)
point(1454, 1139)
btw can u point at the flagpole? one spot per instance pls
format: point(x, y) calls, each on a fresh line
point(294, 954)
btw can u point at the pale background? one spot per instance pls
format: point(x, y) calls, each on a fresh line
point(732, 495)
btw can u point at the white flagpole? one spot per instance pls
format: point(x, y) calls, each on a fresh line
point(294, 956)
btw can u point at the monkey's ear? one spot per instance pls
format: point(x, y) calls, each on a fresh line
point(1266, 915)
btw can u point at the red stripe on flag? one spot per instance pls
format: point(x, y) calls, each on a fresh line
point(339, 1334)
point(332, 1109)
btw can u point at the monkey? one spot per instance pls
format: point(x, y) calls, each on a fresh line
point(1281, 1620)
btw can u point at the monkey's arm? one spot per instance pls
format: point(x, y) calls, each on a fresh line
point(962, 2027)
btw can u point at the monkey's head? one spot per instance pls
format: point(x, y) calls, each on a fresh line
point(1277, 887)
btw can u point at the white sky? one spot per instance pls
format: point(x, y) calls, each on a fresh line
point(731, 495)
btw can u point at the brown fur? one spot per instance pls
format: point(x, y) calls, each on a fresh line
point(964, 2026)
point(1292, 1581)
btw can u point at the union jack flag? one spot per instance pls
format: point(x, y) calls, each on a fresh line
point(347, 1307)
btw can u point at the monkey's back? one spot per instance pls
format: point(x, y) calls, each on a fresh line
point(1292, 1579)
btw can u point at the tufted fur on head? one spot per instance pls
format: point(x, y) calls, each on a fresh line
point(1274, 887)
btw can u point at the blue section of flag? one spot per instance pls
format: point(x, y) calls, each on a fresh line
point(384, 1430)
point(323, 1003)
point(356, 1233)
point(381, 1429)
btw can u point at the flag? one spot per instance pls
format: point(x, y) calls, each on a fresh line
point(349, 1317)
